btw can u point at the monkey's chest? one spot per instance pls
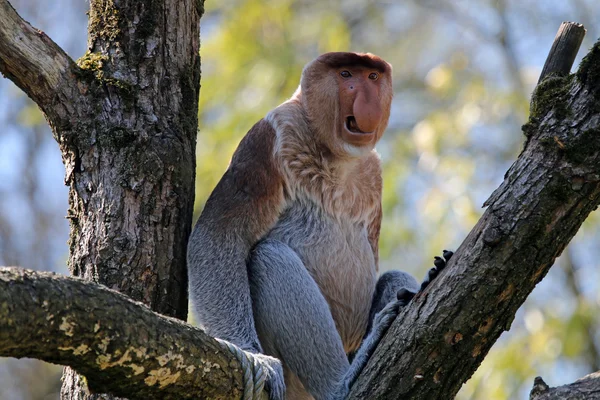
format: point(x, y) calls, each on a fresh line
point(337, 254)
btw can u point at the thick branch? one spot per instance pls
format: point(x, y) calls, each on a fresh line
point(586, 388)
point(36, 64)
point(121, 346)
point(438, 342)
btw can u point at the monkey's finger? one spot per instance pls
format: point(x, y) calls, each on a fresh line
point(439, 263)
point(447, 254)
point(431, 274)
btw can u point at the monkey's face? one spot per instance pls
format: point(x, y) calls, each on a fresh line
point(348, 97)
point(361, 111)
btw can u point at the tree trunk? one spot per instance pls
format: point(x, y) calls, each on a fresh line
point(131, 163)
point(125, 118)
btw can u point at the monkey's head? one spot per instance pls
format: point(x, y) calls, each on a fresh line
point(347, 98)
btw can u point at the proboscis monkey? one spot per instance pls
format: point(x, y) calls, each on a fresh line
point(283, 260)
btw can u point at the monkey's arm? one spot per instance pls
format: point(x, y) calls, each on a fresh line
point(373, 230)
point(374, 225)
point(242, 208)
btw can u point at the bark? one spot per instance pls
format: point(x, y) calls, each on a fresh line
point(586, 388)
point(121, 346)
point(125, 118)
point(440, 339)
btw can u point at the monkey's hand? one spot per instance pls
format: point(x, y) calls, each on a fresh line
point(439, 264)
point(273, 375)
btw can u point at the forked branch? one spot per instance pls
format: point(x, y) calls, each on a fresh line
point(37, 65)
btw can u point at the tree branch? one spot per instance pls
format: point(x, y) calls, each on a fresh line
point(121, 346)
point(37, 65)
point(586, 388)
point(564, 50)
point(440, 339)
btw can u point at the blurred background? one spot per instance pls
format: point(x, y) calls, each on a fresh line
point(463, 74)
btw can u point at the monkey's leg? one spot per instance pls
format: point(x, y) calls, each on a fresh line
point(387, 289)
point(394, 290)
point(293, 319)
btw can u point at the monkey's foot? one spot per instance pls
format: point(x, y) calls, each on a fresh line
point(260, 372)
point(273, 375)
point(439, 264)
point(382, 321)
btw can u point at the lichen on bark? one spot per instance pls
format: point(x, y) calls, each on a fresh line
point(104, 20)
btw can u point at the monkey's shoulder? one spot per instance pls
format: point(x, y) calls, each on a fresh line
point(256, 147)
point(248, 199)
point(253, 169)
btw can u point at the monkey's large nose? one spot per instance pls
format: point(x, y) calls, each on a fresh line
point(367, 112)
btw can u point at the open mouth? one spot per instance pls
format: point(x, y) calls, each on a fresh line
point(351, 125)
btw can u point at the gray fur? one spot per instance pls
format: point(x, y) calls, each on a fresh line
point(294, 322)
point(226, 314)
point(337, 254)
point(306, 263)
point(387, 289)
point(384, 310)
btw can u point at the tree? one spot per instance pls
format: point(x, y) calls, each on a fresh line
point(125, 119)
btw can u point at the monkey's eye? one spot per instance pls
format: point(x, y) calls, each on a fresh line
point(373, 76)
point(346, 74)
